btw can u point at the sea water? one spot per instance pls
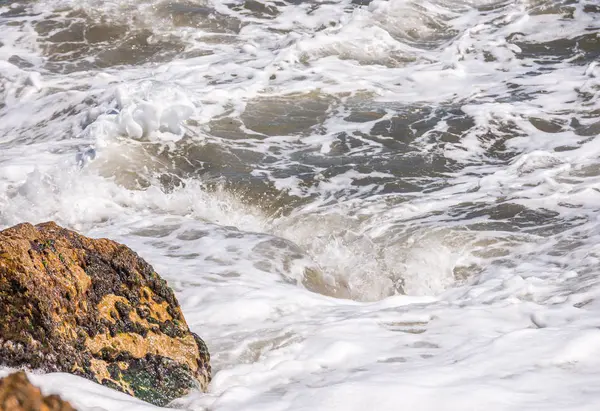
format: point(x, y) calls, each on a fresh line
point(384, 205)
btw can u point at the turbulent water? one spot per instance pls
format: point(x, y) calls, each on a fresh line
point(387, 204)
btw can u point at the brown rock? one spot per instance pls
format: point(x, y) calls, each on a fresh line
point(94, 308)
point(18, 394)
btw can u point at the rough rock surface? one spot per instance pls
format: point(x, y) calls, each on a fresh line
point(94, 308)
point(18, 394)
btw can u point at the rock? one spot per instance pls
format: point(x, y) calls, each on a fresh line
point(18, 394)
point(94, 308)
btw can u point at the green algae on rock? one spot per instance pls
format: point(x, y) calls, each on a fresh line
point(94, 308)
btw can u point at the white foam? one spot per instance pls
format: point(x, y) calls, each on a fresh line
point(497, 251)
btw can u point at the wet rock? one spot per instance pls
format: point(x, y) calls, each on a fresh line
point(18, 394)
point(94, 308)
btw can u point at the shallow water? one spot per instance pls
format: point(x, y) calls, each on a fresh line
point(376, 204)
